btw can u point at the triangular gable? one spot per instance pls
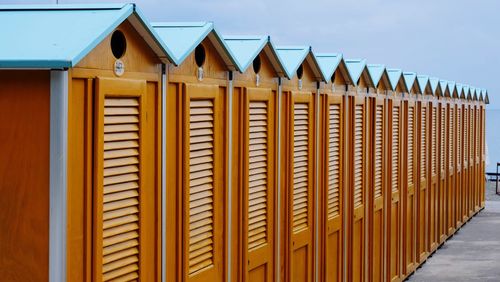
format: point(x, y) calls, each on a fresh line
point(377, 73)
point(246, 48)
point(410, 81)
point(486, 98)
point(183, 37)
point(452, 88)
point(481, 95)
point(330, 62)
point(460, 89)
point(59, 36)
point(423, 83)
point(435, 88)
point(443, 84)
point(475, 94)
point(396, 78)
point(356, 68)
point(293, 56)
point(466, 92)
point(471, 94)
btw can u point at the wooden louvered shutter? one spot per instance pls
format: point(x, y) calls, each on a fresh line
point(459, 137)
point(379, 119)
point(434, 141)
point(358, 154)
point(121, 219)
point(334, 135)
point(423, 142)
point(442, 146)
point(203, 206)
point(451, 136)
point(259, 177)
point(301, 166)
point(411, 127)
point(395, 149)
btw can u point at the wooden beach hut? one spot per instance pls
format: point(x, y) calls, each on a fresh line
point(196, 145)
point(299, 127)
point(254, 158)
point(331, 159)
point(80, 156)
point(376, 123)
point(357, 161)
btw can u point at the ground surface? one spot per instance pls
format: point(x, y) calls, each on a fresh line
point(473, 253)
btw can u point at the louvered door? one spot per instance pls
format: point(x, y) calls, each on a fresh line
point(259, 165)
point(357, 160)
point(203, 187)
point(477, 178)
point(459, 174)
point(465, 165)
point(334, 207)
point(301, 193)
point(377, 196)
point(433, 191)
point(451, 195)
point(443, 168)
point(470, 159)
point(423, 170)
point(125, 241)
point(395, 187)
point(410, 204)
point(482, 113)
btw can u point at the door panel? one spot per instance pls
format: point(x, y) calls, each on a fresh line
point(433, 183)
point(423, 195)
point(395, 211)
point(451, 169)
point(259, 185)
point(410, 205)
point(203, 196)
point(357, 141)
point(459, 173)
point(377, 222)
point(334, 184)
point(301, 197)
point(443, 147)
point(125, 228)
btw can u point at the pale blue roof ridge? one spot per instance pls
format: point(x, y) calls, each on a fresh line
point(376, 71)
point(394, 77)
point(356, 68)
point(423, 81)
point(434, 82)
point(443, 84)
point(65, 34)
point(410, 78)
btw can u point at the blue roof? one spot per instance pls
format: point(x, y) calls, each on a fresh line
point(471, 93)
point(59, 36)
point(246, 48)
point(394, 77)
point(328, 63)
point(451, 87)
point(444, 86)
point(422, 80)
point(434, 81)
point(293, 56)
point(376, 71)
point(460, 88)
point(409, 78)
point(183, 37)
point(355, 68)
point(466, 90)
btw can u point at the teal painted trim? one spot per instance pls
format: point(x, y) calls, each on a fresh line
point(443, 84)
point(127, 11)
point(97, 6)
point(35, 64)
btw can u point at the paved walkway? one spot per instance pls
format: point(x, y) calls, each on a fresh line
point(472, 254)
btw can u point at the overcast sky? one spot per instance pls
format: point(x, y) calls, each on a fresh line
point(452, 39)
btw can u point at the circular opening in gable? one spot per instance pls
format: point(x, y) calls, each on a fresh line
point(256, 64)
point(199, 55)
point(118, 44)
point(300, 72)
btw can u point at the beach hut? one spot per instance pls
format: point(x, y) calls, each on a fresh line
point(451, 163)
point(423, 198)
point(357, 160)
point(459, 154)
point(80, 113)
point(376, 195)
point(410, 157)
point(396, 177)
point(299, 124)
point(254, 158)
point(444, 94)
point(331, 152)
point(198, 88)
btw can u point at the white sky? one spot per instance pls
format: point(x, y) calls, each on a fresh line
point(452, 39)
